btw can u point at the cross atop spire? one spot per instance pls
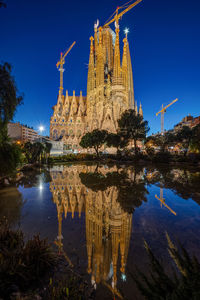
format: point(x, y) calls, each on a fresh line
point(126, 31)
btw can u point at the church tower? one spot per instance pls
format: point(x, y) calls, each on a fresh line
point(110, 80)
point(109, 90)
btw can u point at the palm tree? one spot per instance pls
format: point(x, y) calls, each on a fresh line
point(47, 149)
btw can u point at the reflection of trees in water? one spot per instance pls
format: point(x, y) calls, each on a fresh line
point(32, 178)
point(130, 184)
point(108, 196)
point(184, 182)
point(10, 205)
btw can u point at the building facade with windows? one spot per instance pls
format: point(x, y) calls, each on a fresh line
point(21, 133)
point(189, 121)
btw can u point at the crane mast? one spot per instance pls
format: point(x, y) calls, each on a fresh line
point(60, 64)
point(119, 15)
point(162, 111)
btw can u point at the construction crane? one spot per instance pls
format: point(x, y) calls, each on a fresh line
point(60, 64)
point(162, 201)
point(119, 15)
point(162, 111)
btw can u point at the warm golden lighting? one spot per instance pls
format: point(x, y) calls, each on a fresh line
point(108, 226)
point(109, 87)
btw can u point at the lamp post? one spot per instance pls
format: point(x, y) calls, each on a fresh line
point(41, 129)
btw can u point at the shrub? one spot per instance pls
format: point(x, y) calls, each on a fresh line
point(38, 257)
point(150, 151)
point(10, 157)
point(72, 288)
point(183, 284)
point(162, 157)
point(22, 264)
point(72, 157)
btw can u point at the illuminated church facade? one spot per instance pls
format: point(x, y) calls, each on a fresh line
point(109, 91)
point(107, 226)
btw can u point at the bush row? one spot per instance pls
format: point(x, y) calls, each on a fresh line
point(72, 157)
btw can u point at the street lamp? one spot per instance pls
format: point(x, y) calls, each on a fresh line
point(41, 129)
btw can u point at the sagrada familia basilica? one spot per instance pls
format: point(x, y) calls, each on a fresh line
point(109, 91)
point(107, 225)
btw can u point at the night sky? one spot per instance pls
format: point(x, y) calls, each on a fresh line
point(164, 42)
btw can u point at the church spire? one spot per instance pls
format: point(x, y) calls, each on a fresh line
point(73, 109)
point(140, 110)
point(130, 80)
point(125, 65)
point(117, 67)
point(91, 78)
point(65, 111)
point(81, 108)
point(100, 64)
point(96, 40)
point(136, 108)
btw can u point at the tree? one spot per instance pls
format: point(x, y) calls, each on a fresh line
point(162, 141)
point(94, 139)
point(185, 136)
point(9, 98)
point(115, 140)
point(195, 142)
point(33, 152)
point(10, 154)
point(132, 127)
point(10, 157)
point(47, 149)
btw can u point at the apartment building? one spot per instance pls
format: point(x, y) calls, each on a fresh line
point(21, 133)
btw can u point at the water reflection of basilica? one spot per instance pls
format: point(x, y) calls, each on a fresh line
point(108, 226)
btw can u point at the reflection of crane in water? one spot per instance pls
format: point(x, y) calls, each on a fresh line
point(162, 201)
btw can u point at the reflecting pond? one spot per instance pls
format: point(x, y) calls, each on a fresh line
point(100, 215)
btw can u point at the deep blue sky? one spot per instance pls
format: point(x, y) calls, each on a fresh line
point(164, 43)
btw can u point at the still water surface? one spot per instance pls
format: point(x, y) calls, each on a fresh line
point(101, 215)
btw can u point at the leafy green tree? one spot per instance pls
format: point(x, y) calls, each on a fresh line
point(9, 98)
point(132, 127)
point(33, 151)
point(94, 139)
point(163, 141)
point(10, 154)
point(10, 157)
point(47, 149)
point(195, 142)
point(116, 141)
point(185, 136)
